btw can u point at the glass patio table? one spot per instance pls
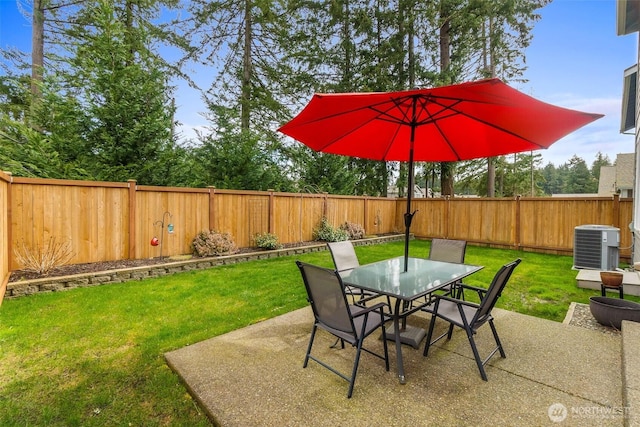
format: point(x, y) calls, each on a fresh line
point(422, 277)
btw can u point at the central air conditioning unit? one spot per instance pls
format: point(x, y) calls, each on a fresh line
point(596, 247)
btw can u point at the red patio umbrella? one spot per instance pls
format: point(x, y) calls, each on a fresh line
point(466, 121)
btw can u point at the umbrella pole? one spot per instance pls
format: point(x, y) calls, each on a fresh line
point(408, 216)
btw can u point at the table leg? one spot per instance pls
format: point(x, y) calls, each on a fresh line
point(396, 325)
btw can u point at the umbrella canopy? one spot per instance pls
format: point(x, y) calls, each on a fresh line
point(466, 121)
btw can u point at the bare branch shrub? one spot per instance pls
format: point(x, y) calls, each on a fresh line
point(45, 258)
point(213, 243)
point(355, 231)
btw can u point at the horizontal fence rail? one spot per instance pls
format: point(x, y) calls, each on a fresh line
point(106, 221)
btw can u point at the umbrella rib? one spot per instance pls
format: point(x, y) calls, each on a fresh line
point(366, 107)
point(459, 112)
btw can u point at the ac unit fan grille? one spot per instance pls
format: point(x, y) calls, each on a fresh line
point(588, 248)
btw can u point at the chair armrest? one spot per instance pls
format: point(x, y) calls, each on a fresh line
point(364, 310)
point(458, 301)
point(479, 290)
point(367, 299)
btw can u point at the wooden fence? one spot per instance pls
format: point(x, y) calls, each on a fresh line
point(108, 221)
point(5, 236)
point(540, 224)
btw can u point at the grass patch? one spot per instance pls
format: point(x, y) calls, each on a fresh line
point(94, 356)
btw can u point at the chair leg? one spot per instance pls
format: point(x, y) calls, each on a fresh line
point(335, 344)
point(495, 335)
point(450, 332)
point(432, 324)
point(313, 335)
point(356, 362)
point(476, 355)
point(384, 344)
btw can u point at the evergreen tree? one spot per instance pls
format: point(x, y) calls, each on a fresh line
point(578, 177)
point(600, 160)
point(232, 157)
point(125, 95)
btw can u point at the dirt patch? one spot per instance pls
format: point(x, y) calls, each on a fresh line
point(67, 270)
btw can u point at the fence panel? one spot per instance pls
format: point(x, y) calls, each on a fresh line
point(549, 223)
point(381, 216)
point(430, 219)
point(242, 215)
point(342, 209)
point(482, 220)
point(93, 218)
point(295, 216)
point(156, 208)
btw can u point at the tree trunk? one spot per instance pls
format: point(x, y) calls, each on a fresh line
point(491, 177)
point(446, 168)
point(490, 67)
point(246, 68)
point(37, 50)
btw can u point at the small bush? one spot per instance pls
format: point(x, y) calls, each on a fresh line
point(355, 231)
point(42, 260)
point(267, 241)
point(327, 233)
point(213, 243)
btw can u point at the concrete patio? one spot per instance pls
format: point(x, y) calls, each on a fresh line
point(554, 374)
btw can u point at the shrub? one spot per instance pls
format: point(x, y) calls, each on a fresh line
point(355, 231)
point(326, 232)
point(42, 260)
point(213, 243)
point(267, 241)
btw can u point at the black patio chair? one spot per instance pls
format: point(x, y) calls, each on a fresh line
point(332, 313)
point(471, 316)
point(448, 250)
point(345, 259)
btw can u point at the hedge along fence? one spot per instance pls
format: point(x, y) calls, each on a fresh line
point(107, 221)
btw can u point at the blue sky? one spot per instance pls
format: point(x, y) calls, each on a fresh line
point(575, 60)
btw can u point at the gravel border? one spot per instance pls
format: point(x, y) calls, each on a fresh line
point(580, 315)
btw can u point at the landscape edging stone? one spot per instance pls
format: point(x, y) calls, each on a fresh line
point(63, 283)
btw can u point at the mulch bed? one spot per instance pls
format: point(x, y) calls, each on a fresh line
point(67, 270)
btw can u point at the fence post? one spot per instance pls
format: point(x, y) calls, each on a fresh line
point(365, 200)
point(132, 218)
point(212, 207)
point(325, 202)
point(9, 235)
point(517, 223)
point(616, 210)
point(447, 202)
point(271, 216)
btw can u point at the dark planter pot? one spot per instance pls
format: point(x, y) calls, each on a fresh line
point(612, 311)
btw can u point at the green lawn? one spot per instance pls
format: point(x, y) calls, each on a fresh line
point(94, 356)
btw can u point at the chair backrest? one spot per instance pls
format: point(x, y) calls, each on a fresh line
point(327, 298)
point(493, 293)
point(448, 250)
point(344, 255)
